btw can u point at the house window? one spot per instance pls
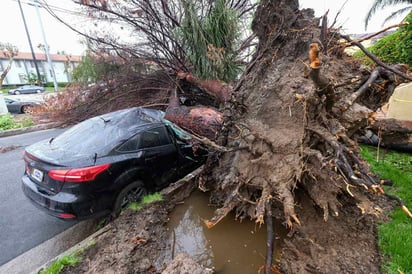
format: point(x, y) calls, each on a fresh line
point(18, 63)
point(22, 77)
point(31, 64)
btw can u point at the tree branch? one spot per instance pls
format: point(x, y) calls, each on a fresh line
point(375, 59)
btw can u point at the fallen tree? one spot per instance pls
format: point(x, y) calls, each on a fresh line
point(286, 145)
point(297, 124)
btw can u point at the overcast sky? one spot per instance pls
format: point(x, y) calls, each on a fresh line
point(59, 37)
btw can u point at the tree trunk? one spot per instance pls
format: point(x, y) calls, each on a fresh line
point(4, 73)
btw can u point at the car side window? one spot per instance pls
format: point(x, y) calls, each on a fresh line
point(154, 137)
point(149, 138)
point(130, 145)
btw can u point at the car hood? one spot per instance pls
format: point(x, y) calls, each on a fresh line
point(46, 151)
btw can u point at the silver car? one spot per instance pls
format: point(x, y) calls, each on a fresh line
point(26, 89)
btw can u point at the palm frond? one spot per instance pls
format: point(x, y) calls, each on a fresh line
point(397, 13)
point(380, 4)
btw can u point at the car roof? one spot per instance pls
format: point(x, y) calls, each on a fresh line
point(96, 136)
point(137, 115)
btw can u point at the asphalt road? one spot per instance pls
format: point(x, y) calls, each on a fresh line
point(22, 226)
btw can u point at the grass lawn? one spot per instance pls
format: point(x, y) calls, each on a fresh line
point(395, 237)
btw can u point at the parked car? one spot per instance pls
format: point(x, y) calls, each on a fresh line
point(26, 89)
point(20, 105)
point(100, 165)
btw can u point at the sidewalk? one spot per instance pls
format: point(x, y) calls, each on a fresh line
point(11, 132)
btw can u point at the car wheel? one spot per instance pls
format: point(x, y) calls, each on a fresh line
point(16, 92)
point(23, 109)
point(133, 192)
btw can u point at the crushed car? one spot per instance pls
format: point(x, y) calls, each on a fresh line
point(100, 165)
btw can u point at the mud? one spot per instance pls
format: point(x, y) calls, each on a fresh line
point(229, 247)
point(137, 242)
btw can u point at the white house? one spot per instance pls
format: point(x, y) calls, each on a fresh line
point(23, 65)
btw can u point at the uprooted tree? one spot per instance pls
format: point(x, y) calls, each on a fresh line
point(286, 142)
point(295, 123)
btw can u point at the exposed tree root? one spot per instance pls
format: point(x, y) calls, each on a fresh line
point(270, 240)
point(296, 137)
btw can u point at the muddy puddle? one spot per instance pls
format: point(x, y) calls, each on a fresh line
point(229, 247)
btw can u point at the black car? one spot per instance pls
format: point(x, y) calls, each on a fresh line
point(98, 166)
point(20, 105)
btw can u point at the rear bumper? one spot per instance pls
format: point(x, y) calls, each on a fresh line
point(81, 207)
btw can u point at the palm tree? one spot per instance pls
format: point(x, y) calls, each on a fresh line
point(380, 4)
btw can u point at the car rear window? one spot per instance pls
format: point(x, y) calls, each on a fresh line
point(95, 135)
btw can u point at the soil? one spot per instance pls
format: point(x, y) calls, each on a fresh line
point(135, 242)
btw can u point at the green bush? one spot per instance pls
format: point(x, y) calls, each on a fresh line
point(7, 122)
point(59, 84)
point(395, 48)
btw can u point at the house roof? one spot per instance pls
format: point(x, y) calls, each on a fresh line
point(42, 57)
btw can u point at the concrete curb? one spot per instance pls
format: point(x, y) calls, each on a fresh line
point(11, 132)
point(83, 244)
point(39, 255)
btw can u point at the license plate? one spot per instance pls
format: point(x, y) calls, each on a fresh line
point(37, 174)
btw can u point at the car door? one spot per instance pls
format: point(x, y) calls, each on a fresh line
point(12, 106)
point(160, 155)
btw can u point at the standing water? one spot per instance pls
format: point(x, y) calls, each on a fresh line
point(229, 247)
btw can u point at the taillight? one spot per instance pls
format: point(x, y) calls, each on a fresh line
point(67, 216)
point(77, 175)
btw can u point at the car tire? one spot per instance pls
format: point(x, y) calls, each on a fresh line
point(132, 192)
point(23, 109)
point(16, 92)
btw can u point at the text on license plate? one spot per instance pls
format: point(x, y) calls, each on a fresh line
point(37, 174)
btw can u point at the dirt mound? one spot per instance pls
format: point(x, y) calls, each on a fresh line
point(344, 244)
point(131, 244)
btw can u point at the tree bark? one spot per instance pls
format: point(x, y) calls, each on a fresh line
point(4, 73)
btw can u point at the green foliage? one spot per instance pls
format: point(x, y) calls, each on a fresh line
point(71, 259)
point(7, 122)
point(57, 266)
point(395, 48)
point(59, 84)
point(210, 40)
point(92, 70)
point(85, 72)
point(32, 79)
point(395, 237)
point(148, 199)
